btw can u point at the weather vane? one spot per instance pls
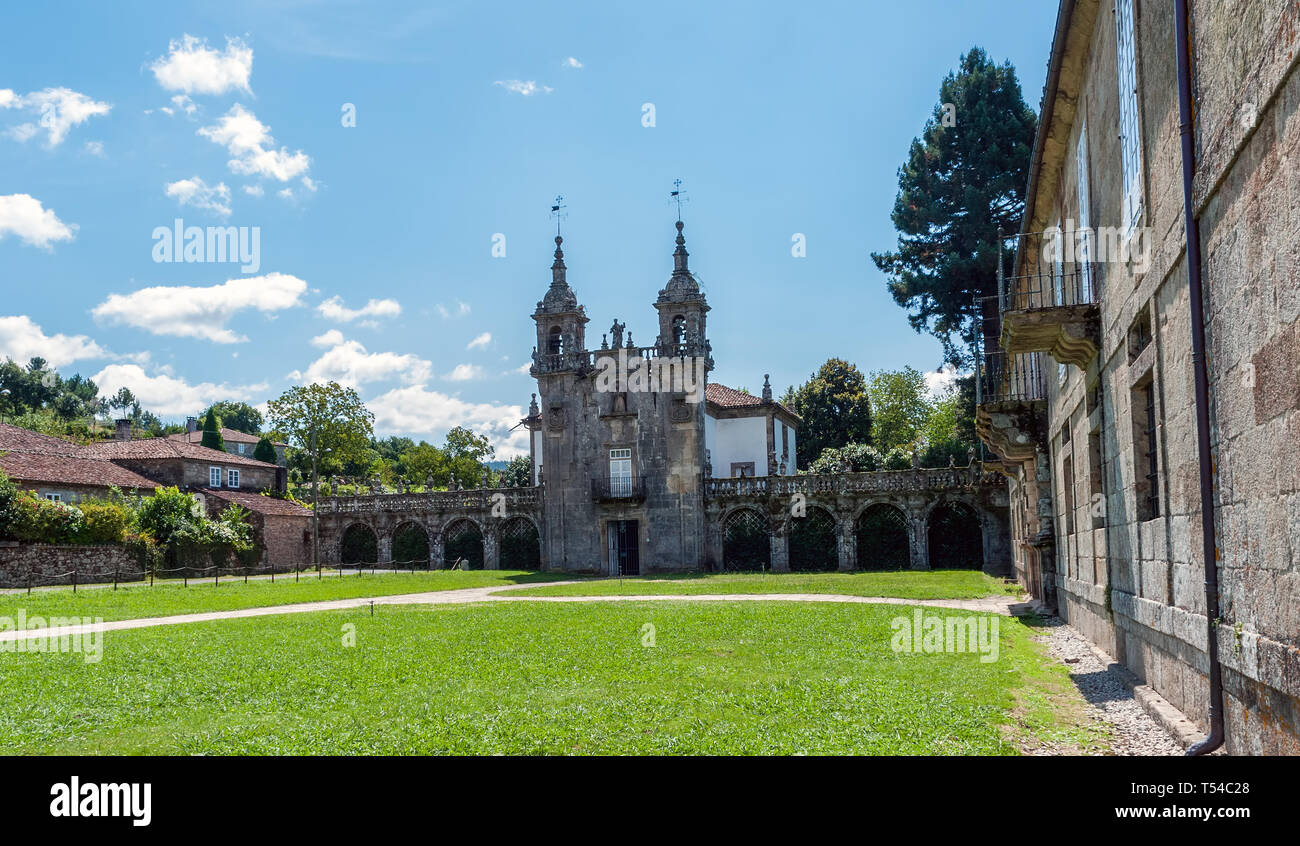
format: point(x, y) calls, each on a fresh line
point(557, 212)
point(678, 196)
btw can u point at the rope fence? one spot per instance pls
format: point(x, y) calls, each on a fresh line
point(80, 577)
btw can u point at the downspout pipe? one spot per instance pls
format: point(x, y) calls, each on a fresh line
point(1209, 551)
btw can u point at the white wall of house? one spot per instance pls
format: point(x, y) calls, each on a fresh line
point(736, 440)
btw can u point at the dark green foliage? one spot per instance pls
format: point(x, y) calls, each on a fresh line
point(212, 432)
point(265, 451)
point(961, 185)
point(834, 407)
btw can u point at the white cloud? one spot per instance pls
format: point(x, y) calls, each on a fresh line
point(527, 89)
point(193, 312)
point(193, 67)
point(462, 309)
point(57, 111)
point(254, 190)
point(417, 411)
point(940, 382)
point(251, 147)
point(348, 363)
point(523, 369)
point(571, 63)
point(21, 339)
point(464, 373)
point(24, 216)
point(333, 309)
point(94, 148)
point(481, 341)
point(195, 192)
point(184, 103)
point(166, 394)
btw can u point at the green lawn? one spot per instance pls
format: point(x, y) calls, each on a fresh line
point(903, 584)
point(140, 600)
point(524, 678)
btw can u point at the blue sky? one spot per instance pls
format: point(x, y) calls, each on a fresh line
point(376, 263)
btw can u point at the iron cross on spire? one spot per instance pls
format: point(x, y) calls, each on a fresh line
point(557, 212)
point(678, 196)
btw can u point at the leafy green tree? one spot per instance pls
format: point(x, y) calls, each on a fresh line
point(239, 416)
point(425, 462)
point(518, 472)
point(466, 453)
point(835, 410)
point(851, 458)
point(212, 432)
point(265, 451)
point(963, 182)
point(326, 420)
point(900, 406)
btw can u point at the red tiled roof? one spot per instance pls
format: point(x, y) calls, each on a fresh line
point(233, 436)
point(164, 448)
point(43, 467)
point(724, 397)
point(17, 439)
point(260, 504)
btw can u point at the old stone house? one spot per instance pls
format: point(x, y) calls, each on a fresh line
point(1090, 401)
point(237, 442)
point(62, 471)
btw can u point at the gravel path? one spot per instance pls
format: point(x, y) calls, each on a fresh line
point(1135, 732)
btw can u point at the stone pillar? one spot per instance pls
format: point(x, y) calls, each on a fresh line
point(1045, 540)
point(491, 551)
point(845, 545)
point(435, 547)
point(385, 544)
point(780, 553)
point(918, 542)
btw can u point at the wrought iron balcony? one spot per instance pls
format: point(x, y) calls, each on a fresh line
point(1049, 304)
point(1011, 404)
point(618, 489)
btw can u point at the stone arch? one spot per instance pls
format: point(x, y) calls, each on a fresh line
point(956, 537)
point(359, 544)
point(519, 544)
point(746, 540)
point(813, 545)
point(883, 537)
point(463, 538)
point(410, 545)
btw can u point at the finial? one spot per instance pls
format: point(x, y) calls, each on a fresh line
point(557, 212)
point(680, 255)
point(678, 196)
point(533, 410)
point(557, 267)
point(767, 388)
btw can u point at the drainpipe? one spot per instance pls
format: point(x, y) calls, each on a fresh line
point(1210, 553)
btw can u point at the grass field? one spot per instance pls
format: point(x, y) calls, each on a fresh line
point(903, 584)
point(137, 600)
point(525, 678)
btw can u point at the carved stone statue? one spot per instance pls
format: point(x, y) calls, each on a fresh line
point(616, 332)
point(708, 464)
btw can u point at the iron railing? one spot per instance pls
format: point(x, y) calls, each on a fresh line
point(1010, 378)
point(617, 488)
point(1050, 269)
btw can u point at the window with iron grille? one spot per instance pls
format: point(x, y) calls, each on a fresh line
point(1129, 124)
point(1146, 450)
point(620, 472)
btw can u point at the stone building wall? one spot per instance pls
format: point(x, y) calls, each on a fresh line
point(1131, 580)
point(48, 564)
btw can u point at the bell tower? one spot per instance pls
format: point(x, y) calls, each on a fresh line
point(682, 309)
point(561, 322)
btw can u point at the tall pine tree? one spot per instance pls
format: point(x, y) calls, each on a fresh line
point(964, 181)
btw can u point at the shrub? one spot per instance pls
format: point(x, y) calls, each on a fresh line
point(853, 458)
point(105, 522)
point(265, 451)
point(9, 495)
point(41, 521)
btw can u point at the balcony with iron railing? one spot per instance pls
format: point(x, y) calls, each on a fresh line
point(617, 489)
point(1049, 302)
point(1011, 403)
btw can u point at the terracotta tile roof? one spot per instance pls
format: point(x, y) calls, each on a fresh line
point(17, 439)
point(721, 395)
point(48, 468)
point(257, 502)
point(146, 449)
point(233, 436)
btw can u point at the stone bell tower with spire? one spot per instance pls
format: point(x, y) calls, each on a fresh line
point(621, 457)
